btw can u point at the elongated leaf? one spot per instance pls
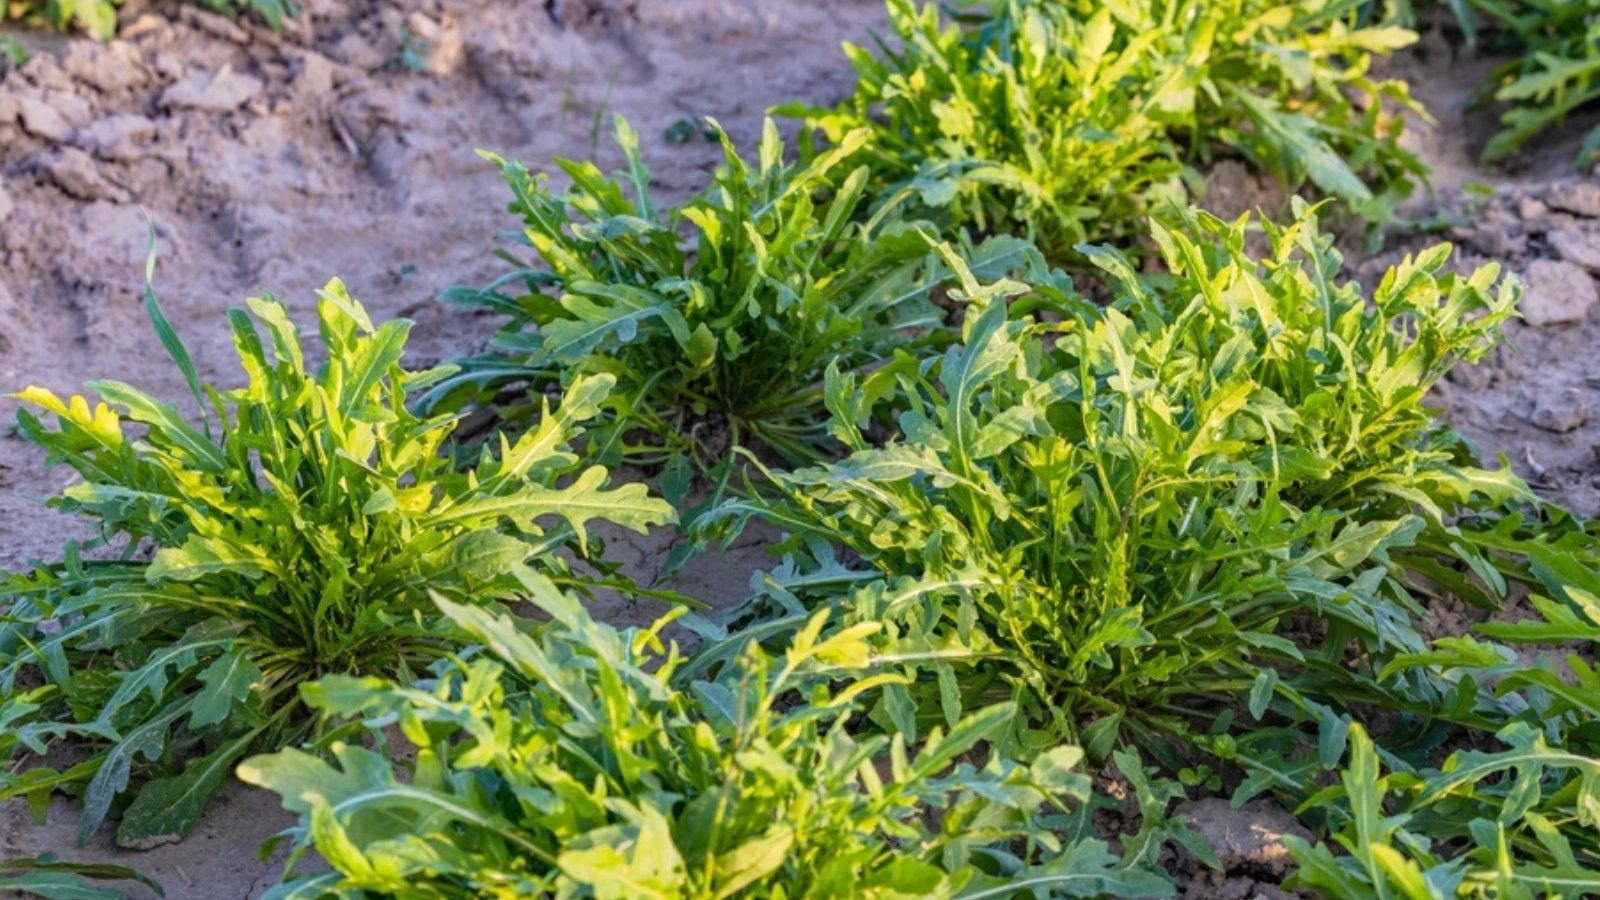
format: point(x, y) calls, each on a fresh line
point(169, 335)
point(111, 778)
point(167, 809)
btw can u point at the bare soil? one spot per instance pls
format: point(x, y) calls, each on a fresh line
point(344, 146)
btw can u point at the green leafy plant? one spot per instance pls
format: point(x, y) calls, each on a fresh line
point(50, 878)
point(1557, 74)
point(1222, 496)
point(721, 341)
point(296, 530)
point(1554, 47)
point(99, 17)
point(1522, 821)
point(1525, 821)
point(564, 761)
point(1560, 696)
point(1072, 121)
point(12, 51)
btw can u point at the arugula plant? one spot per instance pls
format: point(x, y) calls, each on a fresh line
point(12, 53)
point(1518, 824)
point(717, 342)
point(564, 761)
point(1121, 519)
point(1071, 121)
point(1522, 821)
point(297, 529)
point(1557, 694)
point(1553, 72)
point(49, 878)
point(99, 17)
point(1557, 75)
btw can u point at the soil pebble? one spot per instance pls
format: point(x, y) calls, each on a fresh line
point(1578, 247)
point(1558, 293)
point(1578, 197)
point(314, 77)
point(1562, 413)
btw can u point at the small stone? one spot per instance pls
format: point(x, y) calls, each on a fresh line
point(1577, 197)
point(116, 137)
point(169, 67)
point(1558, 292)
point(42, 120)
point(314, 78)
point(76, 173)
point(222, 93)
point(1553, 221)
point(387, 161)
point(1529, 208)
point(7, 205)
point(1577, 247)
point(1562, 414)
point(1500, 220)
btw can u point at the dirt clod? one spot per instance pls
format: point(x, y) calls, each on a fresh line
point(314, 77)
point(41, 119)
point(109, 68)
point(1248, 838)
point(75, 172)
point(1577, 197)
point(1563, 413)
point(120, 137)
point(1558, 293)
point(222, 92)
point(1582, 248)
point(1493, 239)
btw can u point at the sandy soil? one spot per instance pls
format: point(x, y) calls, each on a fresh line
point(344, 146)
